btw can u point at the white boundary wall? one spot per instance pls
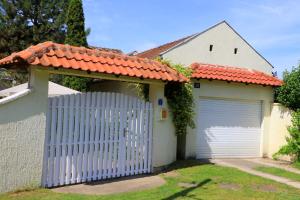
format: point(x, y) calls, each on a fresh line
point(22, 134)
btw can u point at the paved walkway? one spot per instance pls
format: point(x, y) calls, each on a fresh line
point(130, 184)
point(249, 165)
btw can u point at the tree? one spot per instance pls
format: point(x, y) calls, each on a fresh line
point(289, 93)
point(28, 22)
point(76, 35)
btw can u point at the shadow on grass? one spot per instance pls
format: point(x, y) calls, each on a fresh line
point(181, 164)
point(185, 192)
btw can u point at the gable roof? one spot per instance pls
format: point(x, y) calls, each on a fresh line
point(158, 51)
point(49, 54)
point(234, 74)
point(53, 90)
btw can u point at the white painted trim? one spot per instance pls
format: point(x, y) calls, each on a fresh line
point(15, 96)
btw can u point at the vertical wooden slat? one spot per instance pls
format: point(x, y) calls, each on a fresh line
point(146, 136)
point(92, 137)
point(128, 136)
point(58, 141)
point(138, 132)
point(123, 149)
point(106, 140)
point(86, 136)
point(142, 132)
point(111, 132)
point(101, 146)
point(116, 135)
point(70, 139)
point(133, 140)
point(97, 133)
point(120, 107)
point(150, 140)
point(81, 136)
point(64, 140)
point(76, 139)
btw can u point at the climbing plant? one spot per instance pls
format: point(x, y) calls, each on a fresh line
point(180, 100)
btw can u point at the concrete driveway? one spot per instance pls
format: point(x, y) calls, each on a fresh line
point(249, 165)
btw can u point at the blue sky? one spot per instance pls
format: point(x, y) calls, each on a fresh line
point(271, 26)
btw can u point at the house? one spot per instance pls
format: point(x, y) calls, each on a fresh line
point(53, 90)
point(233, 92)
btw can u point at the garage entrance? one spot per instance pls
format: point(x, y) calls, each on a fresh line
point(228, 128)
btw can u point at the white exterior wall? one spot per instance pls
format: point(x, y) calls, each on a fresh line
point(224, 40)
point(234, 91)
point(280, 120)
point(22, 135)
point(164, 138)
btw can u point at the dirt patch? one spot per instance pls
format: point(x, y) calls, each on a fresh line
point(187, 185)
point(265, 188)
point(229, 186)
point(171, 174)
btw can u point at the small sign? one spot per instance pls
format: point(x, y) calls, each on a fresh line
point(196, 85)
point(160, 102)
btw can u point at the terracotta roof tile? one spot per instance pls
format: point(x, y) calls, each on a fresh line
point(155, 52)
point(234, 74)
point(95, 60)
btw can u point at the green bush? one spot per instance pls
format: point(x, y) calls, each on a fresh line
point(292, 148)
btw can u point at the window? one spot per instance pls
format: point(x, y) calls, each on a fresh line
point(210, 47)
point(235, 50)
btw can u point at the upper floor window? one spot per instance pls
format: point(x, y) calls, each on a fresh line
point(211, 47)
point(235, 50)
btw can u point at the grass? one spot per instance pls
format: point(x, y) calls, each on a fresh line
point(279, 172)
point(210, 182)
point(296, 165)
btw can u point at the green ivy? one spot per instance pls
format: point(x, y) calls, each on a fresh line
point(180, 100)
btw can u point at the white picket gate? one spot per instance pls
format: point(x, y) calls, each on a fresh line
point(96, 136)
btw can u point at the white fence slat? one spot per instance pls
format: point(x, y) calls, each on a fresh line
point(116, 136)
point(86, 136)
point(94, 136)
point(97, 133)
point(81, 136)
point(150, 140)
point(146, 136)
point(106, 137)
point(111, 132)
point(58, 142)
point(101, 146)
point(64, 140)
point(70, 139)
point(76, 139)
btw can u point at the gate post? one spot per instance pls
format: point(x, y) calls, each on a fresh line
point(164, 139)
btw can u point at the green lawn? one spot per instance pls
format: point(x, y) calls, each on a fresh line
point(211, 182)
point(296, 165)
point(279, 172)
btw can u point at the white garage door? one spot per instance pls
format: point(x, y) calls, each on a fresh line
point(227, 128)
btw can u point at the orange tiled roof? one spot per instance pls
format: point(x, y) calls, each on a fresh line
point(234, 74)
point(94, 60)
point(155, 52)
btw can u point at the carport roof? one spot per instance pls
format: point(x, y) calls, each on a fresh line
point(56, 55)
point(234, 74)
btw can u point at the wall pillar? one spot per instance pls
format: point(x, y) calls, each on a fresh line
point(164, 138)
point(22, 136)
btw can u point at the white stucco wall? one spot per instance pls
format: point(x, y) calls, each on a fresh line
point(280, 120)
point(237, 91)
point(224, 40)
point(22, 134)
point(164, 138)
